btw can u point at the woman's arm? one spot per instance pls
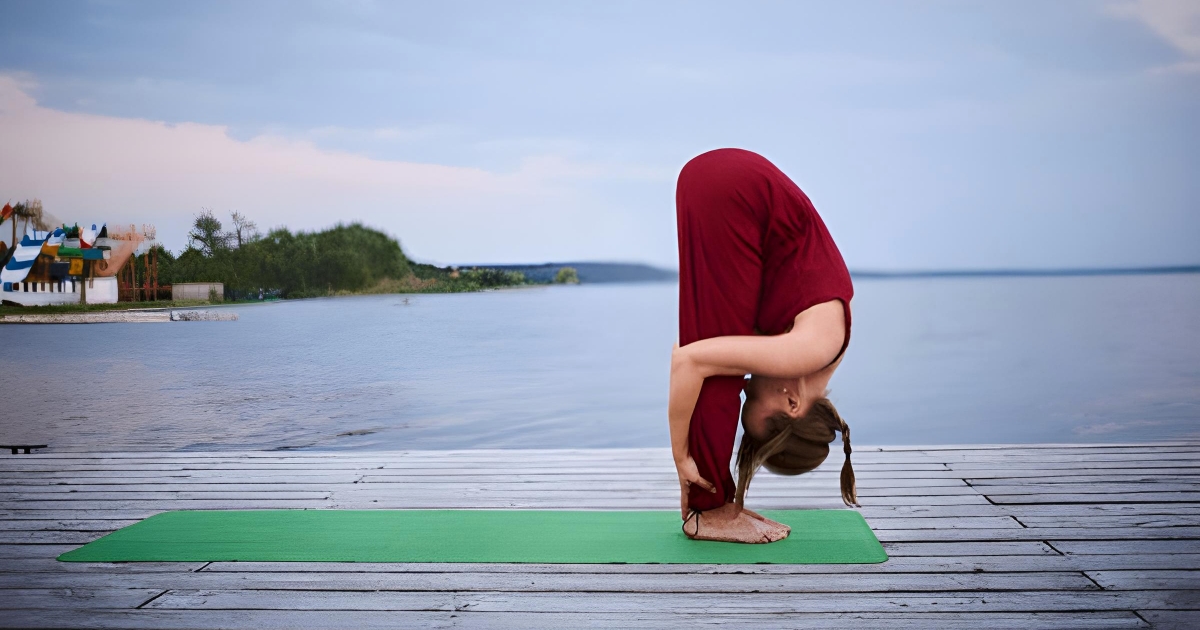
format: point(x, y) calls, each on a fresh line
point(811, 344)
point(686, 382)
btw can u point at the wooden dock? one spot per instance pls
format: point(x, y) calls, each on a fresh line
point(982, 537)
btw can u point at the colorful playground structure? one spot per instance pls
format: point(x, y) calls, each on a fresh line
point(74, 265)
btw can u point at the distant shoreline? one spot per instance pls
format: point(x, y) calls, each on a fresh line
point(589, 272)
point(603, 272)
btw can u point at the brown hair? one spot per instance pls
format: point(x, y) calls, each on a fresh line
point(797, 446)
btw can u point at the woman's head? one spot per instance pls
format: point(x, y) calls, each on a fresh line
point(790, 439)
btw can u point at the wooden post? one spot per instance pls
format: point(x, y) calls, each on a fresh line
point(83, 283)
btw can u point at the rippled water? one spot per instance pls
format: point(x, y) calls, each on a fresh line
point(932, 361)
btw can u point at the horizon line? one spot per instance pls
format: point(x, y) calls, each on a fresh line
point(914, 273)
point(1068, 271)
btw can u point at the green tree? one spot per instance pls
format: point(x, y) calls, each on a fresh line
point(208, 234)
point(567, 275)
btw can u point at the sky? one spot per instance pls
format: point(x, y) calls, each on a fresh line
point(930, 134)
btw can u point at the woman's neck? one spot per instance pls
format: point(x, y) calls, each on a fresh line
point(807, 389)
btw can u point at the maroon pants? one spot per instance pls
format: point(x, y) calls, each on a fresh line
point(753, 254)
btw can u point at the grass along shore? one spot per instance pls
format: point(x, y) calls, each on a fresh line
point(59, 309)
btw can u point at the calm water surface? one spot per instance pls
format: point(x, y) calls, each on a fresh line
point(932, 361)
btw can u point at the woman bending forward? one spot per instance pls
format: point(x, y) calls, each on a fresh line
point(763, 291)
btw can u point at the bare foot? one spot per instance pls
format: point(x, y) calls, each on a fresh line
point(730, 523)
point(774, 524)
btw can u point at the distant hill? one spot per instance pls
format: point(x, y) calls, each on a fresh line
point(599, 272)
point(591, 272)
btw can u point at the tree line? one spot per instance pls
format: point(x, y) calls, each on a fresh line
point(347, 258)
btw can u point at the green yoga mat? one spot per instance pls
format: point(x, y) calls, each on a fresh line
point(519, 536)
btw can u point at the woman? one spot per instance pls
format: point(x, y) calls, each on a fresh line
point(764, 291)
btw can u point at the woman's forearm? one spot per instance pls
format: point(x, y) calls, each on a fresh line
point(809, 347)
point(686, 381)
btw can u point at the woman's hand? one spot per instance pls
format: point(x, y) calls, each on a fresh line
point(688, 475)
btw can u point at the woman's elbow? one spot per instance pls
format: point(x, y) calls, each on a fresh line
point(685, 363)
point(680, 359)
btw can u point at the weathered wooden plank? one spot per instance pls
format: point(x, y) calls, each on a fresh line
point(16, 550)
point(1032, 450)
point(416, 467)
point(970, 468)
point(1148, 579)
point(1015, 476)
point(1148, 520)
point(1042, 533)
point(65, 524)
point(801, 490)
point(177, 495)
point(476, 501)
point(679, 602)
point(254, 483)
point(370, 620)
point(1133, 545)
point(165, 505)
point(100, 597)
point(1172, 619)
point(45, 537)
point(1165, 476)
point(898, 564)
point(24, 566)
point(484, 501)
point(1059, 458)
point(16, 514)
point(1051, 489)
point(1129, 497)
point(1101, 509)
point(969, 548)
point(412, 582)
point(798, 488)
point(535, 466)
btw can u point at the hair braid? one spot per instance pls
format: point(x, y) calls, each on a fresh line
point(849, 487)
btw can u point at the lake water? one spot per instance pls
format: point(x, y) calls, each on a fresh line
point(932, 361)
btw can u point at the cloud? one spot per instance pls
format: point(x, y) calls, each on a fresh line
point(89, 168)
point(1176, 21)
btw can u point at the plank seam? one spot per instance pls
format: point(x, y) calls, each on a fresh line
point(139, 606)
point(1092, 580)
